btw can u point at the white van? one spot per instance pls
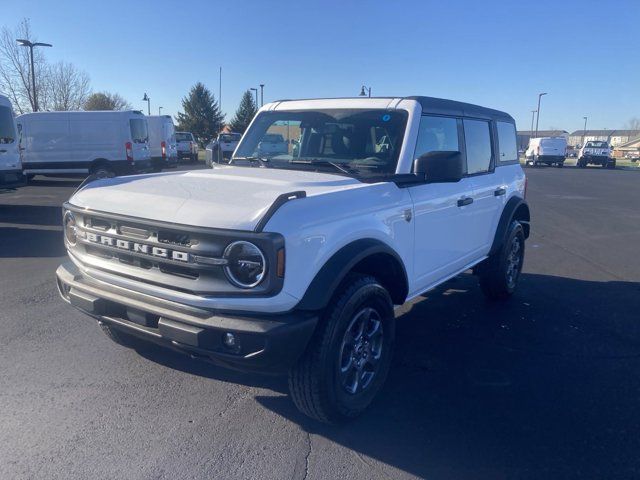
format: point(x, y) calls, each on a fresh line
point(162, 142)
point(547, 150)
point(103, 143)
point(10, 167)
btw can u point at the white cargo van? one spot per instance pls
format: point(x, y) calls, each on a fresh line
point(162, 142)
point(547, 150)
point(102, 143)
point(10, 167)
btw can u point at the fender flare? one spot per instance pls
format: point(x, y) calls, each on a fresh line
point(508, 213)
point(330, 276)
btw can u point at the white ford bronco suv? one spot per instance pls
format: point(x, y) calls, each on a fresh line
point(293, 261)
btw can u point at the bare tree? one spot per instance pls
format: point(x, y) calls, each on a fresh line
point(68, 87)
point(15, 73)
point(106, 101)
point(633, 124)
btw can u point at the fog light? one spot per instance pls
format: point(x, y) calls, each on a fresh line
point(229, 340)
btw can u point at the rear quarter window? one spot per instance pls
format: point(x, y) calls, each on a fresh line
point(507, 142)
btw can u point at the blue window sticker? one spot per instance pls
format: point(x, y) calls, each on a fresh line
point(386, 117)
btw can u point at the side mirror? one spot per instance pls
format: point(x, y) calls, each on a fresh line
point(439, 167)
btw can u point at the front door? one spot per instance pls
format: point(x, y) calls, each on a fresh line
point(445, 237)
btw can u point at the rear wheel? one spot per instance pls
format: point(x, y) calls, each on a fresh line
point(102, 171)
point(499, 274)
point(348, 358)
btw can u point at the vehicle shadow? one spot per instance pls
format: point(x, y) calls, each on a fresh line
point(542, 386)
point(31, 214)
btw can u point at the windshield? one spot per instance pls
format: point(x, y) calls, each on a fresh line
point(139, 133)
point(7, 129)
point(354, 142)
point(596, 145)
point(183, 137)
point(230, 137)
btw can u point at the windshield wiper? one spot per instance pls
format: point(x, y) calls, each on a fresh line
point(261, 160)
point(317, 161)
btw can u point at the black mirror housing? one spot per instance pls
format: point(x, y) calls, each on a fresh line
point(439, 167)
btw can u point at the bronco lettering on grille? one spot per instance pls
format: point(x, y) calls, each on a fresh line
point(137, 247)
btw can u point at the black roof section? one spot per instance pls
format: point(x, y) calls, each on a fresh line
point(451, 107)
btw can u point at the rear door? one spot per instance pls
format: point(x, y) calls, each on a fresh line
point(490, 187)
point(139, 132)
point(443, 212)
point(9, 153)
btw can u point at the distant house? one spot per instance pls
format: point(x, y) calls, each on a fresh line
point(631, 148)
point(612, 137)
point(525, 135)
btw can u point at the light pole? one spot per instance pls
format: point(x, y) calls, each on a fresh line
point(538, 116)
point(31, 45)
point(261, 94)
point(584, 131)
point(147, 99)
point(533, 116)
point(159, 110)
point(256, 91)
point(365, 91)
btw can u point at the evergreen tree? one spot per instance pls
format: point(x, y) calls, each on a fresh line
point(245, 113)
point(202, 115)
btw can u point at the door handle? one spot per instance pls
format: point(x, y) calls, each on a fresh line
point(500, 191)
point(465, 201)
point(3, 151)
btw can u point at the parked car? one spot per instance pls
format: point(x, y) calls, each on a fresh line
point(293, 263)
point(221, 148)
point(162, 142)
point(596, 153)
point(10, 165)
point(546, 150)
point(187, 147)
point(104, 144)
point(272, 144)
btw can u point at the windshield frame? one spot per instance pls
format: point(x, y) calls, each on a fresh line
point(364, 162)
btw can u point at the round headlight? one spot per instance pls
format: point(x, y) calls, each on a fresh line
point(70, 228)
point(246, 265)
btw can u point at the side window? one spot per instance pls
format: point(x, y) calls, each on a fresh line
point(477, 139)
point(507, 142)
point(437, 134)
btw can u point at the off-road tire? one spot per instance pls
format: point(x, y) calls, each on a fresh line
point(314, 381)
point(493, 273)
point(119, 337)
point(102, 171)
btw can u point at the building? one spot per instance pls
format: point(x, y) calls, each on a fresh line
point(629, 149)
point(613, 137)
point(525, 135)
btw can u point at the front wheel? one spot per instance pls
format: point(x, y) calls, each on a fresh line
point(499, 274)
point(348, 357)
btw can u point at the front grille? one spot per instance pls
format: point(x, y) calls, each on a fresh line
point(182, 258)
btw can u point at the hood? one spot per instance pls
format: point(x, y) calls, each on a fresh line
point(225, 197)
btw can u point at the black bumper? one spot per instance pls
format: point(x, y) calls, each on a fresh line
point(268, 343)
point(599, 159)
point(12, 179)
point(183, 155)
point(551, 159)
point(159, 163)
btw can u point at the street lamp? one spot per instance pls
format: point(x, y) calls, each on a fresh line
point(31, 45)
point(538, 116)
point(256, 90)
point(365, 91)
point(533, 116)
point(159, 110)
point(584, 131)
point(261, 94)
point(147, 99)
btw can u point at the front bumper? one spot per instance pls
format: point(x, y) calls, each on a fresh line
point(268, 343)
point(12, 179)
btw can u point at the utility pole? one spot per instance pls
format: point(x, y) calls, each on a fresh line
point(220, 91)
point(533, 116)
point(256, 91)
point(31, 45)
point(159, 110)
point(261, 94)
point(584, 131)
point(538, 116)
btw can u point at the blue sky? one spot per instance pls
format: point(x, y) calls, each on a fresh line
point(499, 54)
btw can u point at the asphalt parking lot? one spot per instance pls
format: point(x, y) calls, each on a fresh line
point(546, 385)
